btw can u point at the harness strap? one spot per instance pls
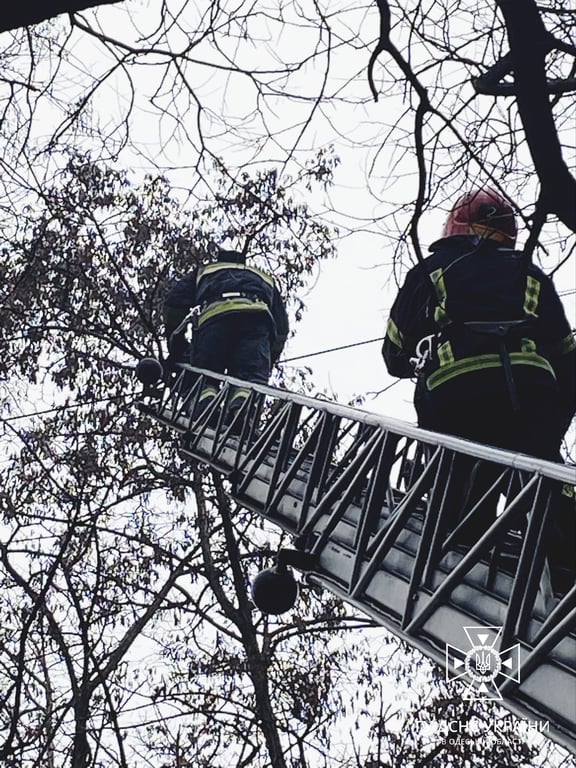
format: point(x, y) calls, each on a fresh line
point(509, 377)
point(501, 330)
point(440, 314)
point(232, 304)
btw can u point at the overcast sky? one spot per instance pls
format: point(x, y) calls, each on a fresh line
point(349, 299)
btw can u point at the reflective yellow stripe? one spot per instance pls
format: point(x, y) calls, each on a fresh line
point(440, 314)
point(531, 296)
point(239, 394)
point(527, 345)
point(490, 232)
point(470, 364)
point(395, 334)
point(565, 345)
point(445, 354)
point(231, 305)
point(210, 269)
point(207, 392)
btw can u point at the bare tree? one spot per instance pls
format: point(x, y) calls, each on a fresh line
point(108, 538)
point(114, 551)
point(530, 43)
point(127, 632)
point(466, 94)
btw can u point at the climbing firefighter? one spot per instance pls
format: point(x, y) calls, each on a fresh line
point(240, 324)
point(485, 334)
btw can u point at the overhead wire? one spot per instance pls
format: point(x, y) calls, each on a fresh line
point(65, 406)
point(112, 398)
point(281, 362)
point(331, 349)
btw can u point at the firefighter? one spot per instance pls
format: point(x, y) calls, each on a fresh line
point(241, 324)
point(485, 334)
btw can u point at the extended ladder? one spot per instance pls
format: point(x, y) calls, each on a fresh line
point(373, 506)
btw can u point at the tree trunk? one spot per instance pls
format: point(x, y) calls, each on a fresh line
point(529, 45)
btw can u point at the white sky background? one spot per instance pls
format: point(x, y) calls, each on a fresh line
point(349, 303)
point(349, 299)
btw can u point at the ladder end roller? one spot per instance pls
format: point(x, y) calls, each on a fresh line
point(275, 590)
point(149, 371)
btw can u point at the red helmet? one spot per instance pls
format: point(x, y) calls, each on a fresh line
point(483, 212)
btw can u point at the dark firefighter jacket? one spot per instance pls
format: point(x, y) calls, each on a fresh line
point(225, 287)
point(468, 280)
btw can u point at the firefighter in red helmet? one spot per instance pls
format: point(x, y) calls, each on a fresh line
point(484, 213)
point(485, 334)
point(441, 331)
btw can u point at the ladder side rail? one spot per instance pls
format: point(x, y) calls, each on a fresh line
point(512, 482)
point(184, 395)
point(431, 539)
point(251, 415)
point(530, 567)
point(404, 467)
point(337, 498)
point(256, 408)
point(474, 511)
point(319, 471)
point(388, 534)
point(443, 525)
point(335, 487)
point(563, 473)
point(494, 532)
point(403, 506)
point(166, 396)
point(224, 429)
point(255, 454)
point(308, 451)
point(284, 450)
point(377, 494)
point(566, 604)
point(542, 650)
point(309, 454)
point(350, 442)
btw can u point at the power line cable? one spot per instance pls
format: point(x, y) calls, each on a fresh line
point(65, 407)
point(120, 397)
point(332, 349)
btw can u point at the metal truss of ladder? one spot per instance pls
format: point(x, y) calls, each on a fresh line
point(372, 502)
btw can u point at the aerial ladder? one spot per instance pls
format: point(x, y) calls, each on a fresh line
point(375, 507)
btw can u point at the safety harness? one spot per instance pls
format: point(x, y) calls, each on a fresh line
point(503, 331)
point(257, 299)
point(435, 360)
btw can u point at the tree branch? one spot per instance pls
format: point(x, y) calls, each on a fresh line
point(29, 12)
point(489, 84)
